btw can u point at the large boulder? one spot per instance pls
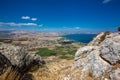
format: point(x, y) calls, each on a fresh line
point(4, 63)
point(89, 60)
point(18, 59)
point(99, 58)
point(19, 56)
point(110, 48)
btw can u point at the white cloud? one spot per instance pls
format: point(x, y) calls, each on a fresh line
point(106, 1)
point(28, 18)
point(19, 24)
point(25, 17)
point(33, 19)
point(27, 24)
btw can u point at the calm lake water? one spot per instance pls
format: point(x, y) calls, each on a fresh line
point(84, 38)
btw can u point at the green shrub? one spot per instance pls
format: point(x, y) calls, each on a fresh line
point(72, 52)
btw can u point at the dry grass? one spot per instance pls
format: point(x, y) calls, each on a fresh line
point(53, 71)
point(10, 74)
point(102, 38)
point(116, 66)
point(60, 70)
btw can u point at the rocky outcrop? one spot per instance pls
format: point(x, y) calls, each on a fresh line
point(110, 48)
point(18, 59)
point(99, 39)
point(18, 56)
point(4, 63)
point(90, 61)
point(99, 57)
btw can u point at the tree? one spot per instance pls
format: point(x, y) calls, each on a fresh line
point(119, 28)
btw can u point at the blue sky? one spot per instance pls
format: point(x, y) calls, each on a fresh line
point(60, 15)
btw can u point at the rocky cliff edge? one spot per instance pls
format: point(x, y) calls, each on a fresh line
point(99, 60)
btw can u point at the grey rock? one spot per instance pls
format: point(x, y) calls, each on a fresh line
point(99, 56)
point(18, 59)
point(4, 63)
point(84, 51)
point(18, 56)
point(92, 62)
point(110, 48)
point(99, 39)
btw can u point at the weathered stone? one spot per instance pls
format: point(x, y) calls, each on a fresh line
point(84, 51)
point(92, 63)
point(4, 63)
point(99, 39)
point(18, 56)
point(98, 59)
point(18, 59)
point(110, 48)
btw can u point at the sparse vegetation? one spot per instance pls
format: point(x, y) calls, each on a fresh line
point(46, 52)
point(56, 70)
point(66, 57)
point(56, 53)
point(61, 51)
point(103, 37)
point(72, 52)
point(10, 74)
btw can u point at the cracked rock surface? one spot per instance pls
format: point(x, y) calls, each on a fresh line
point(98, 57)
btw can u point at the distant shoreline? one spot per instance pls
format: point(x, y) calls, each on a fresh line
point(82, 38)
point(78, 37)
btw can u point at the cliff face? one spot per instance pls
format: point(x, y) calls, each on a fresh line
point(18, 59)
point(100, 60)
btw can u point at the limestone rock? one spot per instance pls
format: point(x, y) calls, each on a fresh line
point(92, 62)
point(19, 60)
point(110, 48)
point(98, 39)
point(4, 63)
point(84, 51)
point(98, 57)
point(18, 56)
